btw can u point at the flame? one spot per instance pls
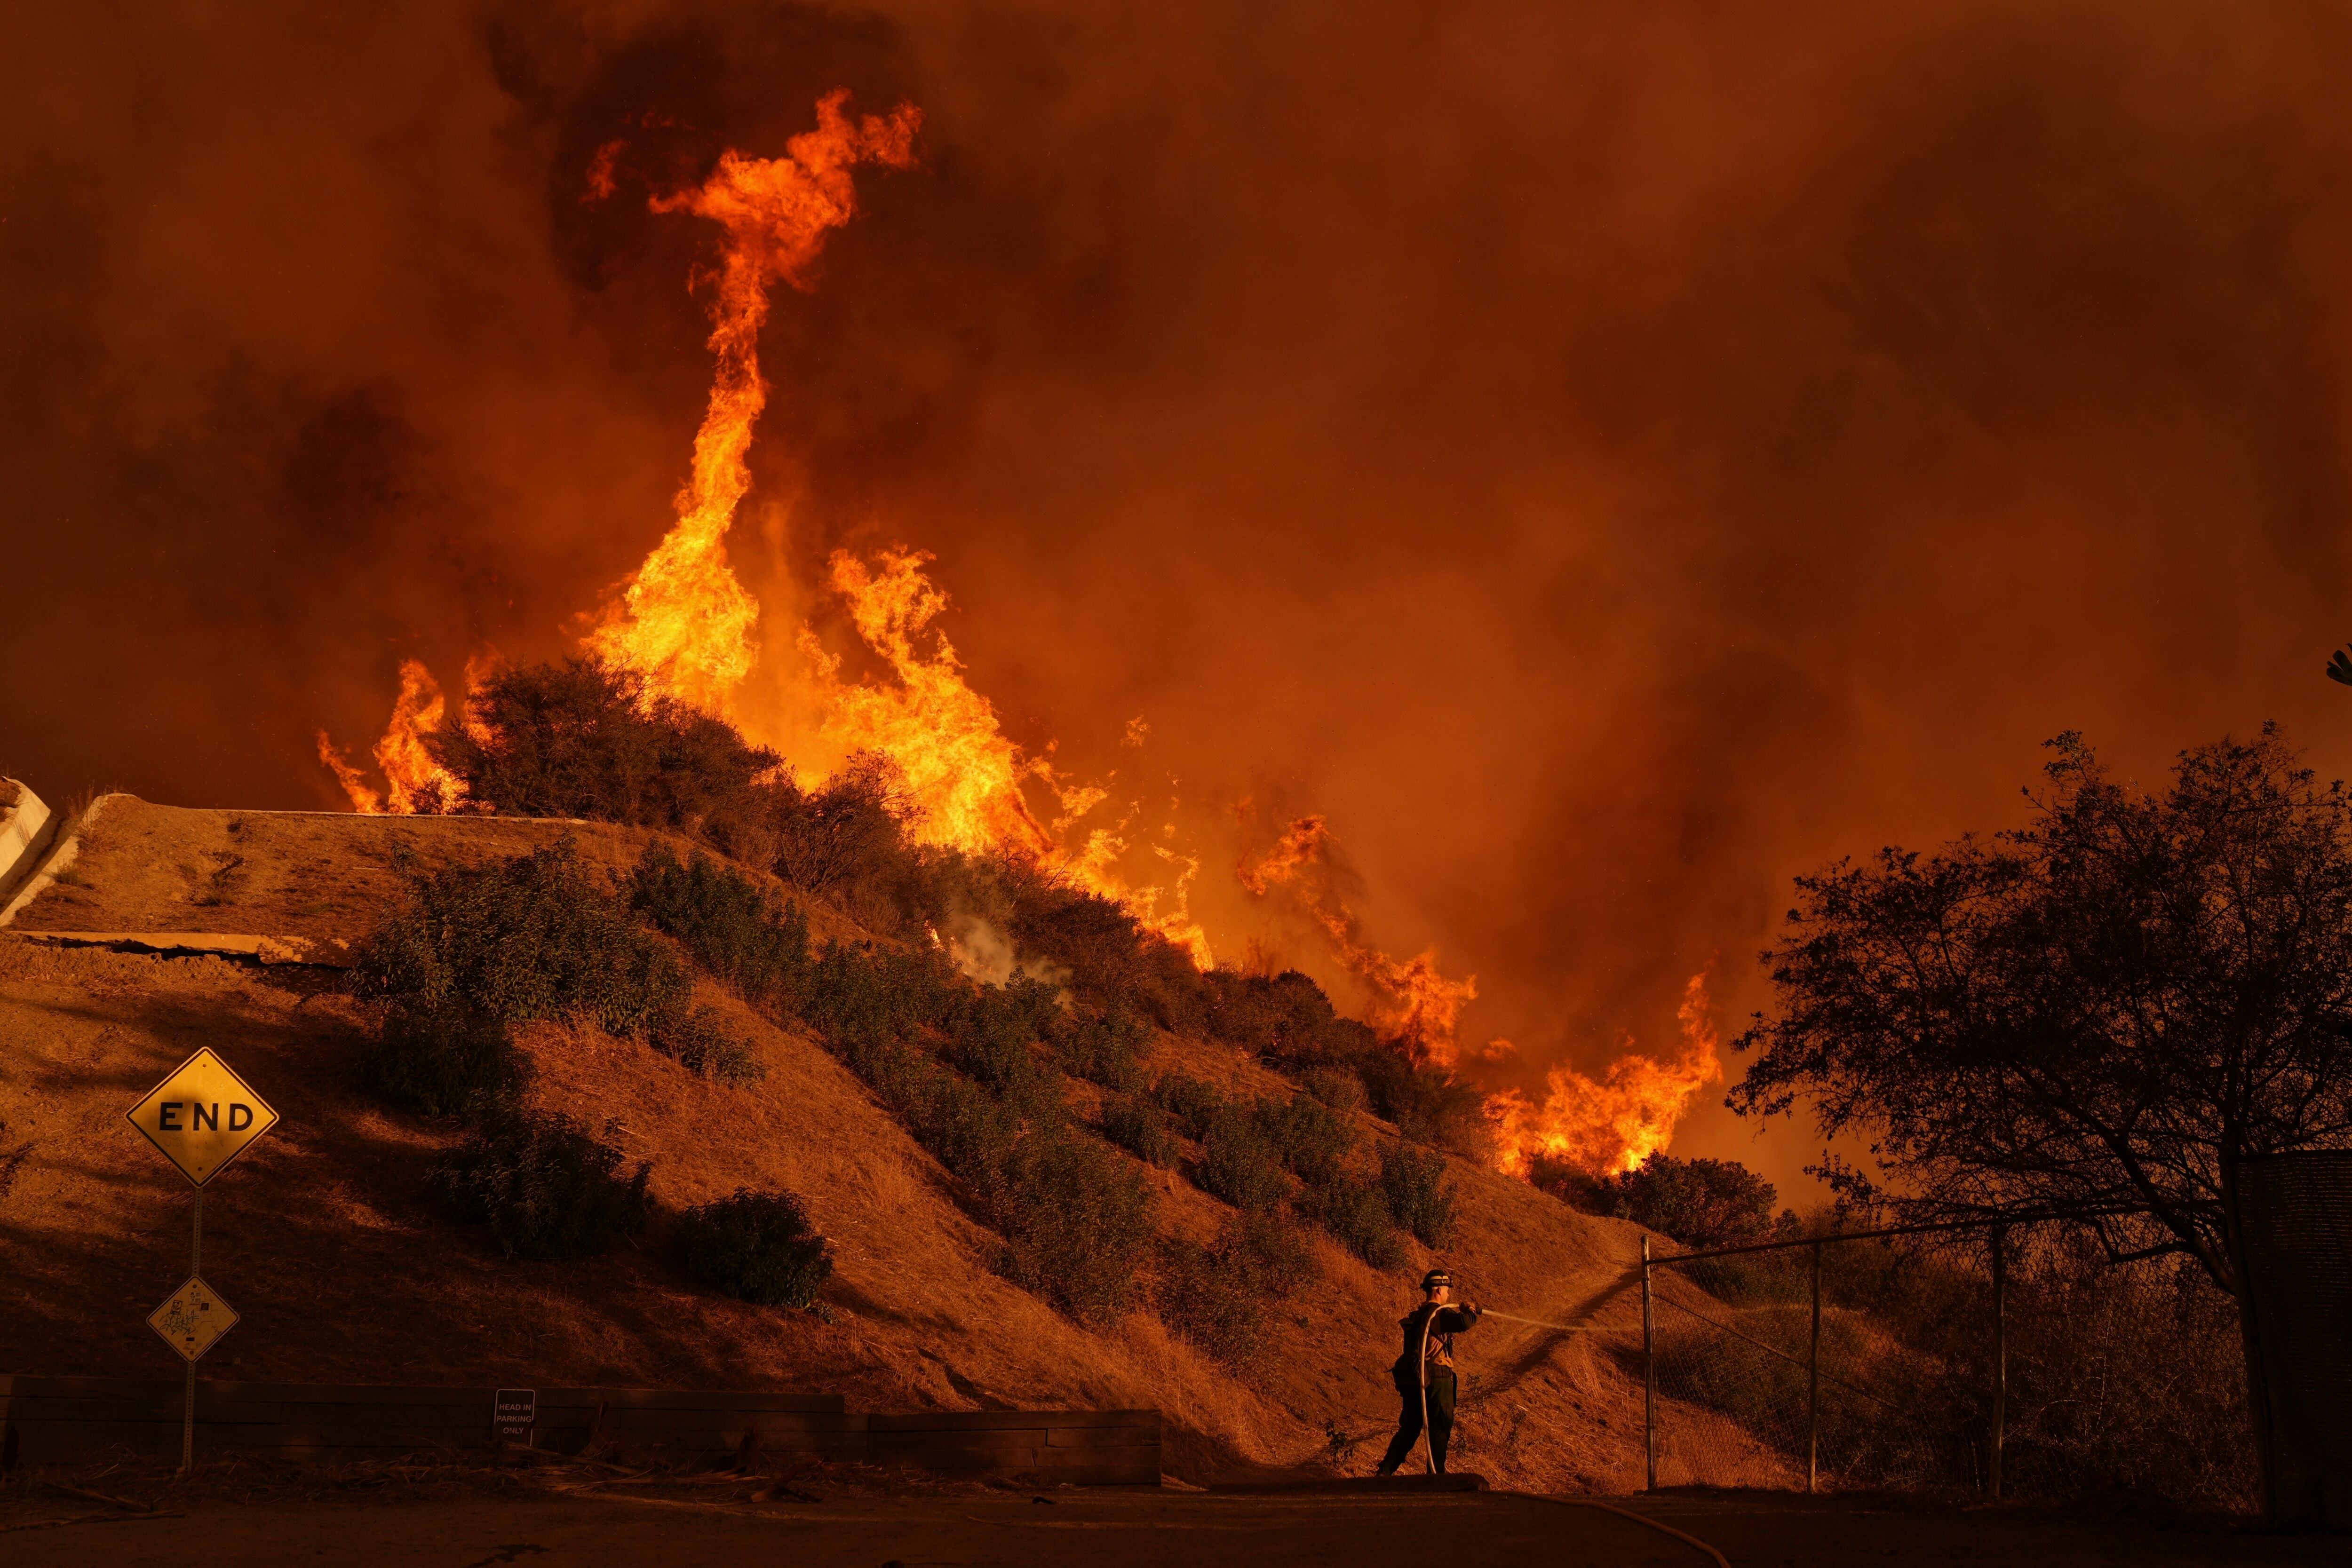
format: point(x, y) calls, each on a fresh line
point(1610, 1127)
point(685, 622)
point(1413, 999)
point(413, 781)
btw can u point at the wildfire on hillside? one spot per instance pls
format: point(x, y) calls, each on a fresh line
point(689, 627)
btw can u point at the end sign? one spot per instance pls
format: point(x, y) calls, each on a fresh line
point(202, 1117)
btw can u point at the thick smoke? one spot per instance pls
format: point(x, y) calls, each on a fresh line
point(1603, 458)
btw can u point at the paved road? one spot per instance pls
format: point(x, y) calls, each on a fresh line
point(1138, 1528)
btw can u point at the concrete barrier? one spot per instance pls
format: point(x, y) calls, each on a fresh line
point(27, 828)
point(49, 1420)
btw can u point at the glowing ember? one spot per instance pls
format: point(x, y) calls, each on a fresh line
point(1611, 1126)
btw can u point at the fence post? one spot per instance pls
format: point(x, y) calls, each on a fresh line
point(1813, 1385)
point(1649, 1377)
point(2000, 1354)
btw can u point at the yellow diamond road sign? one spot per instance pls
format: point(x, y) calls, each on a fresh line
point(193, 1320)
point(202, 1117)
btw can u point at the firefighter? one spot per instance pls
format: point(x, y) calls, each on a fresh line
point(1424, 1372)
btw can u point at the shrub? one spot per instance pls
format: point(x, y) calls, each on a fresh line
point(1285, 1018)
point(546, 1187)
point(1306, 1137)
point(970, 1130)
point(525, 938)
point(445, 1061)
point(701, 1043)
point(731, 924)
point(1337, 1087)
point(756, 1246)
point(1103, 1048)
point(1237, 1161)
point(1140, 1127)
point(1357, 1216)
point(1419, 1198)
point(1077, 1224)
point(988, 1032)
point(1428, 1105)
point(1193, 1102)
point(582, 739)
point(1699, 1202)
point(1215, 1295)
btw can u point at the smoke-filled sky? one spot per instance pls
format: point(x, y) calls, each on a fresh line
point(1608, 457)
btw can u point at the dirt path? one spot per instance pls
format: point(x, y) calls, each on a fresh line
point(1127, 1527)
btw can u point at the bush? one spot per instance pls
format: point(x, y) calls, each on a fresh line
point(582, 739)
point(1357, 1216)
point(701, 1043)
point(1285, 1018)
point(989, 1033)
point(1105, 1048)
point(1078, 1222)
point(1307, 1137)
point(1427, 1104)
point(1191, 1100)
point(756, 1246)
point(732, 925)
point(530, 937)
point(1419, 1198)
point(445, 1061)
point(1237, 1162)
point(546, 1187)
point(1337, 1087)
point(1140, 1127)
point(1216, 1295)
point(1700, 1203)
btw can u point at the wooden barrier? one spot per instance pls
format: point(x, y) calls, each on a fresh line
point(51, 1419)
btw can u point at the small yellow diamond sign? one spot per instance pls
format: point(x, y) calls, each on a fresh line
point(193, 1320)
point(202, 1117)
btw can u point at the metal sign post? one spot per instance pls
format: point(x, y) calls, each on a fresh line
point(199, 1118)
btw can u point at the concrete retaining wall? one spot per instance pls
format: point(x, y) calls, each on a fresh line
point(45, 1420)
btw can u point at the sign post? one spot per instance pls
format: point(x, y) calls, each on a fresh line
point(199, 1118)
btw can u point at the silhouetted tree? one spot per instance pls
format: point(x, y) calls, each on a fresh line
point(2100, 1015)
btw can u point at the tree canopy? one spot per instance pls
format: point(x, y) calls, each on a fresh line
point(2100, 1015)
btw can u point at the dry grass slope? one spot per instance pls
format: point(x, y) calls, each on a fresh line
point(326, 1238)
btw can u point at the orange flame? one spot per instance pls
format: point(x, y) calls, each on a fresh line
point(1610, 1127)
point(1413, 999)
point(685, 622)
point(413, 781)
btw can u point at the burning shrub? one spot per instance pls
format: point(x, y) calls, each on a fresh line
point(1077, 1224)
point(1104, 1048)
point(1193, 1102)
point(545, 1185)
point(530, 937)
point(584, 739)
point(445, 1061)
point(1306, 1137)
point(701, 1043)
point(756, 1246)
point(732, 925)
point(1357, 1214)
point(1419, 1197)
point(1140, 1127)
point(1238, 1160)
point(1216, 1295)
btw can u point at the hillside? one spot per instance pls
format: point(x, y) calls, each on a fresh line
point(327, 1240)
